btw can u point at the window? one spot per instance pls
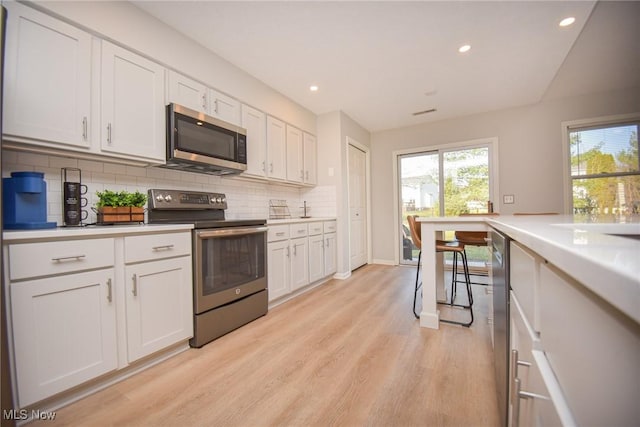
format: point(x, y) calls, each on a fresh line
point(605, 168)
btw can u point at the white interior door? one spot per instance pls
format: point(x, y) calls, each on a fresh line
point(358, 206)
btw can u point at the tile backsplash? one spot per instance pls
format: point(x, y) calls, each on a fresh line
point(245, 198)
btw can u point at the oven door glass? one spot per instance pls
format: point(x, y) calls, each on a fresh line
point(230, 264)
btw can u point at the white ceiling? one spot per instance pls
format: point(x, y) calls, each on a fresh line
point(379, 62)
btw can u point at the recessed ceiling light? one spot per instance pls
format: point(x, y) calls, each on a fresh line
point(567, 21)
point(313, 88)
point(464, 48)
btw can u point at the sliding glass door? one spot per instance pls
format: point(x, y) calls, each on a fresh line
point(443, 182)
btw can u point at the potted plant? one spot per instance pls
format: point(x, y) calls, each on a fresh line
point(120, 206)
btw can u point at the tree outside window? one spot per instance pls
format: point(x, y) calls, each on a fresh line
point(605, 169)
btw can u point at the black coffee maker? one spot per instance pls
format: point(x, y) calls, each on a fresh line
point(72, 200)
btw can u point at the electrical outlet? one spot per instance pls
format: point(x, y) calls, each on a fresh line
point(508, 199)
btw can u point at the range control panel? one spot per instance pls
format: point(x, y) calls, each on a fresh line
point(180, 199)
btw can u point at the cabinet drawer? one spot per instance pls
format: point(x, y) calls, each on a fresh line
point(277, 232)
point(315, 228)
point(330, 227)
point(60, 257)
point(298, 230)
point(156, 246)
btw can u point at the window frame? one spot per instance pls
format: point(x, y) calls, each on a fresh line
point(587, 124)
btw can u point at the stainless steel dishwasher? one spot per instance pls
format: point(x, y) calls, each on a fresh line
point(500, 273)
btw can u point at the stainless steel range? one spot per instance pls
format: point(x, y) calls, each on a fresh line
point(229, 260)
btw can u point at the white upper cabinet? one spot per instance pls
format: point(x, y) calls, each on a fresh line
point(133, 119)
point(224, 107)
point(294, 154)
point(310, 158)
point(276, 149)
point(255, 122)
point(184, 91)
point(47, 79)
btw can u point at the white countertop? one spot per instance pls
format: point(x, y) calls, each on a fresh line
point(65, 233)
point(298, 220)
point(590, 252)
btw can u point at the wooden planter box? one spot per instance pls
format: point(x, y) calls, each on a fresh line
point(124, 214)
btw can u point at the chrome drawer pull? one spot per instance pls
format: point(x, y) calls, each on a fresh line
point(280, 233)
point(109, 297)
point(69, 258)
point(134, 290)
point(163, 247)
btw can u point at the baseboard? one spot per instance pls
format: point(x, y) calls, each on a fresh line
point(342, 276)
point(384, 262)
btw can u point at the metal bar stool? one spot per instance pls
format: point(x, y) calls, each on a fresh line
point(443, 246)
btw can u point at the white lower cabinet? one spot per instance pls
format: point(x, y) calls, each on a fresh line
point(299, 262)
point(159, 305)
point(278, 272)
point(299, 254)
point(64, 332)
point(66, 312)
point(316, 257)
point(329, 254)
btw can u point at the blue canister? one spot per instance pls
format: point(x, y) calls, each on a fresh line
point(24, 201)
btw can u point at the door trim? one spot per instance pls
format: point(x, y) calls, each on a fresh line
point(367, 153)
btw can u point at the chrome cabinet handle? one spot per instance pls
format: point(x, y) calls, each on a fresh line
point(263, 167)
point(295, 250)
point(134, 290)
point(280, 233)
point(163, 247)
point(288, 252)
point(204, 102)
point(216, 104)
point(271, 167)
point(109, 133)
point(69, 258)
point(516, 392)
point(109, 297)
point(302, 174)
point(84, 128)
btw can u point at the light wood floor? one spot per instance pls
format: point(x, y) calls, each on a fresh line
point(349, 353)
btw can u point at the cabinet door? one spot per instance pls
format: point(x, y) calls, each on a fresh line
point(133, 119)
point(64, 332)
point(279, 261)
point(316, 257)
point(187, 92)
point(276, 149)
point(294, 154)
point(47, 78)
point(159, 302)
point(299, 263)
point(309, 149)
point(329, 254)
point(224, 107)
point(255, 122)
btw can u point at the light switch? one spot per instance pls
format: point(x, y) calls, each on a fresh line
point(508, 199)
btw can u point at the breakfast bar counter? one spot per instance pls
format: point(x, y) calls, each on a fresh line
point(602, 256)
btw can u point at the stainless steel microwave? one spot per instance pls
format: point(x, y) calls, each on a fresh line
point(197, 142)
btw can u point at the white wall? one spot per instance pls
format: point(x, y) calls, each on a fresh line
point(530, 157)
point(333, 130)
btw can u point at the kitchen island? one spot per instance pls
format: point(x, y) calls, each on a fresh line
point(573, 316)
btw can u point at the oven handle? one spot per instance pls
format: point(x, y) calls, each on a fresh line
point(222, 232)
